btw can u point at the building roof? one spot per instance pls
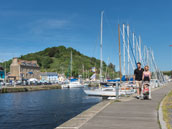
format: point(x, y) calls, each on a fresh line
point(32, 63)
point(49, 74)
point(28, 64)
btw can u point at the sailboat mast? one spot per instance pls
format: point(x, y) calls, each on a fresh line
point(151, 66)
point(144, 55)
point(71, 64)
point(137, 50)
point(124, 46)
point(140, 53)
point(101, 44)
point(107, 68)
point(119, 51)
point(83, 71)
point(128, 48)
point(133, 45)
point(147, 56)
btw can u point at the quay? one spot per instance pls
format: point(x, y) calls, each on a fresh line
point(11, 89)
point(127, 113)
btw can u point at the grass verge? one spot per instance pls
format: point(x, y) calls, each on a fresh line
point(166, 107)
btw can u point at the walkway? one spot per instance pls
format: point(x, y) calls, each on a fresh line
point(132, 114)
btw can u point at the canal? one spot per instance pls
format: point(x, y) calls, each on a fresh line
point(42, 109)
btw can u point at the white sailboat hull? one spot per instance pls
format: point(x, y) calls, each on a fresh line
point(73, 85)
point(107, 92)
point(99, 93)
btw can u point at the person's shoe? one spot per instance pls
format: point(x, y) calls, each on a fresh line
point(138, 97)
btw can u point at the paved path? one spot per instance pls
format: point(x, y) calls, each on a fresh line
point(133, 114)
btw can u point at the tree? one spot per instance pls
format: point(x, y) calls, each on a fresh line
point(111, 66)
point(51, 59)
point(46, 62)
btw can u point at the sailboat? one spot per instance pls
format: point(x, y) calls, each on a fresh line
point(114, 89)
point(101, 91)
point(73, 83)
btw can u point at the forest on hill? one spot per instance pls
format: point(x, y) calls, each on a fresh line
point(58, 59)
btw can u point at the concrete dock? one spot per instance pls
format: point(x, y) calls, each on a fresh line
point(12, 89)
point(130, 113)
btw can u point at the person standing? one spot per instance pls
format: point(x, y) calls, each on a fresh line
point(137, 78)
point(146, 74)
point(146, 81)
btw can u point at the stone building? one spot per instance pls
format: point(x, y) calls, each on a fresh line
point(23, 69)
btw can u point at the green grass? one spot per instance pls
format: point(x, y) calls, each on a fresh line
point(166, 107)
point(117, 100)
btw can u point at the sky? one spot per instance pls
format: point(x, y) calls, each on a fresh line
point(32, 25)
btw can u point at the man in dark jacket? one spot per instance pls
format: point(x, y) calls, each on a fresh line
point(138, 72)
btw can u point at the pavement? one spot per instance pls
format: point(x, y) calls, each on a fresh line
point(130, 114)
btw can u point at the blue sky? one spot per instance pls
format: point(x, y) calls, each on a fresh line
point(32, 25)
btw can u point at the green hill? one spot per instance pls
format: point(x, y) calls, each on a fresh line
point(57, 59)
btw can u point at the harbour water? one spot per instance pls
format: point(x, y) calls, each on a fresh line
point(42, 109)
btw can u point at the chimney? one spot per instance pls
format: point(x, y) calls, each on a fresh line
point(15, 60)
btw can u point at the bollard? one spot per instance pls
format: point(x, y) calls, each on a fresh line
point(117, 90)
point(14, 84)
